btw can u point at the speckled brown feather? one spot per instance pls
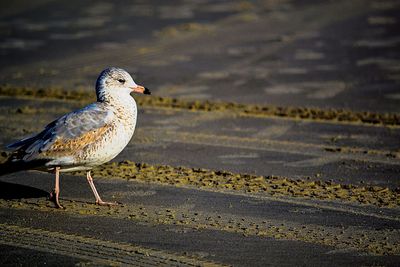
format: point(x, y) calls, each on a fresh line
point(78, 146)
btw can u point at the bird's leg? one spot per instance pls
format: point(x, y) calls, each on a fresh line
point(96, 194)
point(54, 195)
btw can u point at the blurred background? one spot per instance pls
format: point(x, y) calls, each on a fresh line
point(340, 54)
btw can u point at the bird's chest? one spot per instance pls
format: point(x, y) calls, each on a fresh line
point(115, 140)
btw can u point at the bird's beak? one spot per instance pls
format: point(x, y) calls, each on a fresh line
point(141, 90)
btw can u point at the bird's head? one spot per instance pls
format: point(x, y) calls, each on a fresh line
point(117, 82)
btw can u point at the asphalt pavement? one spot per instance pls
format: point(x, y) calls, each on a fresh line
point(272, 137)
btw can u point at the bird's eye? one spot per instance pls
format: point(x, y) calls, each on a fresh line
point(121, 80)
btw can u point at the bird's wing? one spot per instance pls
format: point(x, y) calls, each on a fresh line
point(65, 135)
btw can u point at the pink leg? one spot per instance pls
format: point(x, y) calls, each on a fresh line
point(56, 192)
point(96, 194)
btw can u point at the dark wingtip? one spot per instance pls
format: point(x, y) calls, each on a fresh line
point(146, 91)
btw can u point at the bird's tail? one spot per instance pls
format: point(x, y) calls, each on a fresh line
point(11, 165)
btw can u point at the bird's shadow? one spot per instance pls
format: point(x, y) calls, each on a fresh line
point(17, 191)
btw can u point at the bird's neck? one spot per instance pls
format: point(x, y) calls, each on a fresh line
point(114, 97)
point(122, 102)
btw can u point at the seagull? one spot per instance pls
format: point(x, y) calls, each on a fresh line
point(85, 138)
